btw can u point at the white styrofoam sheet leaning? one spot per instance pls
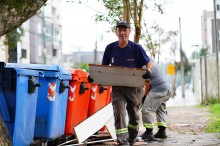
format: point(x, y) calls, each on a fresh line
point(116, 76)
point(95, 122)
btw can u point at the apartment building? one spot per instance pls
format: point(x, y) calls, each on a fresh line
point(41, 42)
point(208, 28)
point(46, 35)
point(77, 58)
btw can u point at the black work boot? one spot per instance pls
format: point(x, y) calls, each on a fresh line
point(132, 141)
point(161, 132)
point(148, 135)
point(132, 135)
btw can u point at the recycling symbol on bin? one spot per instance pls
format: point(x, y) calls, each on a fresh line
point(93, 94)
point(51, 91)
point(72, 90)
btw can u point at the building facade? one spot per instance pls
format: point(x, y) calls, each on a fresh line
point(46, 35)
point(41, 41)
point(77, 58)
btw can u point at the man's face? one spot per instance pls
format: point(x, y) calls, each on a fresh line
point(122, 33)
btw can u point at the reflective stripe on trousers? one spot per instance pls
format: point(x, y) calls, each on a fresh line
point(162, 124)
point(155, 102)
point(126, 99)
point(150, 125)
point(121, 131)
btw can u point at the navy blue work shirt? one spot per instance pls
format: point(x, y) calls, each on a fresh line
point(132, 56)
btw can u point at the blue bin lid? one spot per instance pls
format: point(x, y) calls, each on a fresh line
point(22, 71)
point(54, 68)
point(34, 66)
point(27, 72)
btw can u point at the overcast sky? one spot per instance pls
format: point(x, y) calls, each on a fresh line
point(80, 30)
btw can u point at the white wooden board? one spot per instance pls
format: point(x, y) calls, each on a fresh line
point(116, 76)
point(110, 125)
point(94, 123)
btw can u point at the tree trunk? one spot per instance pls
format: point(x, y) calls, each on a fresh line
point(138, 14)
point(126, 11)
point(4, 136)
point(13, 15)
point(173, 94)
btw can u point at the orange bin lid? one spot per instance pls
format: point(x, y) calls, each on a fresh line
point(78, 73)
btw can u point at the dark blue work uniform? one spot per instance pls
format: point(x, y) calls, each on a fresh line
point(126, 98)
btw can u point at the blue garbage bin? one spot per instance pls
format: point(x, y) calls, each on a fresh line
point(18, 100)
point(52, 100)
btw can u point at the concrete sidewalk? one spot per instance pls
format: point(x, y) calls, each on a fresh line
point(186, 128)
point(189, 100)
point(186, 123)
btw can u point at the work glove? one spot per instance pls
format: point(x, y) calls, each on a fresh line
point(147, 74)
point(90, 80)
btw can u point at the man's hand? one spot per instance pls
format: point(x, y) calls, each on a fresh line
point(147, 74)
point(90, 80)
point(147, 88)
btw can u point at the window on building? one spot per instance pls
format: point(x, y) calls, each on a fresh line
point(39, 27)
point(218, 34)
point(57, 34)
point(23, 53)
point(218, 7)
point(48, 33)
point(54, 52)
point(39, 50)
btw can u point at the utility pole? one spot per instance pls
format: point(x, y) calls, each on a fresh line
point(206, 81)
point(44, 38)
point(181, 61)
point(216, 48)
point(95, 52)
point(96, 42)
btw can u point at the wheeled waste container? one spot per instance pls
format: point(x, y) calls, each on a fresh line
point(78, 100)
point(99, 98)
point(52, 100)
point(18, 101)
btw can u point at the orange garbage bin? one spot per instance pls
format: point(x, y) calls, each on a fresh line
point(78, 100)
point(99, 98)
point(109, 98)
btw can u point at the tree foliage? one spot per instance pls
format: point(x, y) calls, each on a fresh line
point(131, 11)
point(13, 13)
point(127, 10)
point(202, 52)
point(13, 37)
point(114, 11)
point(83, 66)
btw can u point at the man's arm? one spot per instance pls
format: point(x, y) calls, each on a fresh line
point(149, 66)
